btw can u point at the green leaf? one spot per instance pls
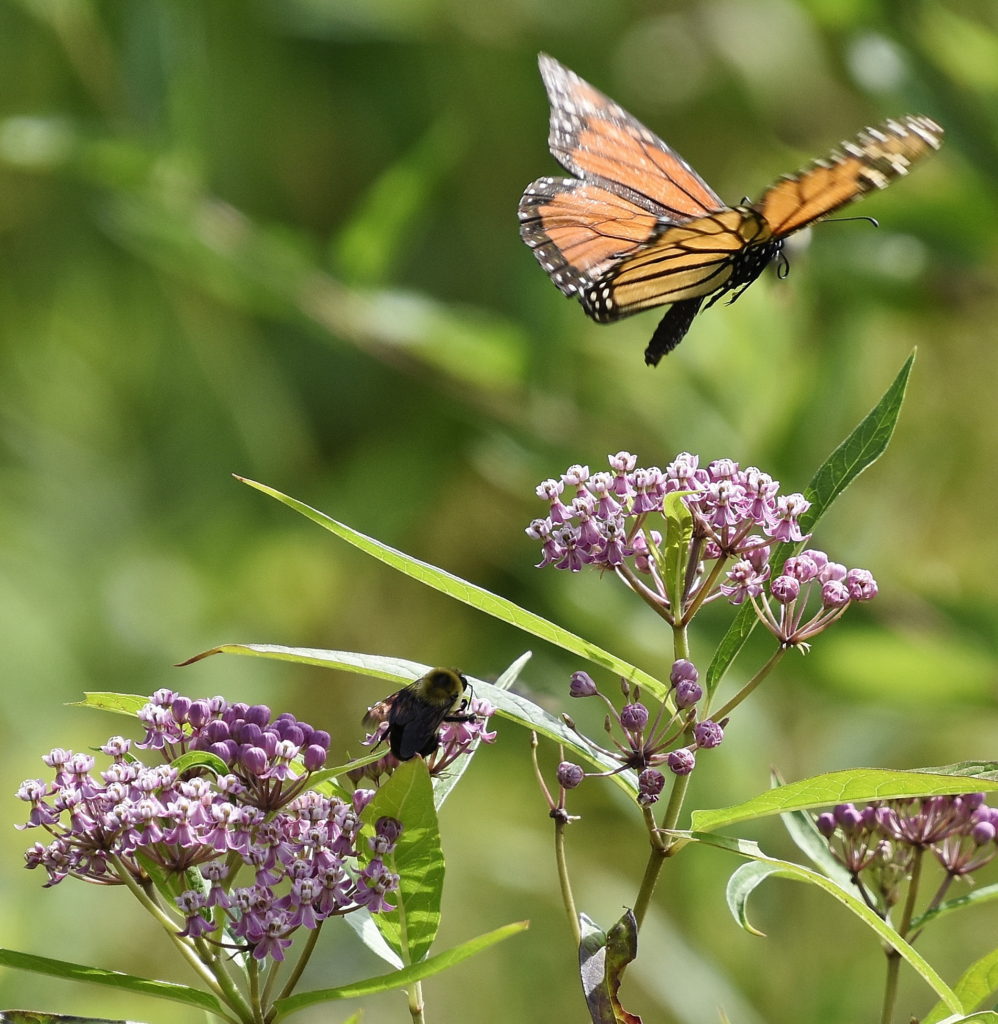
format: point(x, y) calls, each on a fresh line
point(400, 979)
point(129, 704)
point(741, 885)
point(512, 706)
point(977, 984)
point(801, 828)
point(40, 1017)
point(113, 979)
point(678, 536)
point(867, 442)
point(472, 595)
point(856, 785)
point(772, 866)
point(970, 898)
point(200, 759)
point(603, 959)
point(417, 859)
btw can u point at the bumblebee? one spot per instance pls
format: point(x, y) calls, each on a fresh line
point(415, 714)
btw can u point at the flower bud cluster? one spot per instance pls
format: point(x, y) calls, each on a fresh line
point(270, 758)
point(960, 831)
point(646, 745)
point(616, 520)
point(304, 861)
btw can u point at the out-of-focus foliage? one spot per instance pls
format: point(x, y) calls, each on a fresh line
point(279, 238)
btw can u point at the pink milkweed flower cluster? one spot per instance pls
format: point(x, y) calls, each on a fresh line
point(618, 519)
point(298, 854)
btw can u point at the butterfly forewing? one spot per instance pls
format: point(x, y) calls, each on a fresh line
point(870, 161)
point(598, 141)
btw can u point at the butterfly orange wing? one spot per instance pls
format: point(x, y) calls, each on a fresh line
point(875, 158)
point(629, 186)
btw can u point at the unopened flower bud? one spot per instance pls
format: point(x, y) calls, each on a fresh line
point(581, 685)
point(682, 761)
point(834, 594)
point(785, 589)
point(633, 717)
point(861, 584)
point(570, 775)
point(825, 823)
point(983, 832)
point(683, 669)
point(708, 734)
point(651, 782)
point(688, 693)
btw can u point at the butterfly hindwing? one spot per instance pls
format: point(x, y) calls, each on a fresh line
point(579, 231)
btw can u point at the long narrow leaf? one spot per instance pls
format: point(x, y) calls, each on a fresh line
point(471, 594)
point(799, 873)
point(69, 971)
point(977, 984)
point(400, 979)
point(855, 785)
point(867, 442)
point(512, 706)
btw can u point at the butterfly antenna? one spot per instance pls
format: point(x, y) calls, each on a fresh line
point(842, 220)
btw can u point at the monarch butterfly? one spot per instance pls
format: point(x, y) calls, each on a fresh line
point(637, 227)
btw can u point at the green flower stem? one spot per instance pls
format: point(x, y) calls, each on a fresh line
point(706, 588)
point(650, 598)
point(893, 957)
point(656, 858)
point(289, 985)
point(567, 898)
point(774, 660)
point(561, 821)
point(219, 984)
point(416, 1003)
point(253, 975)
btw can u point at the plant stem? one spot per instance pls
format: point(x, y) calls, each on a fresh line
point(656, 858)
point(567, 898)
point(416, 1003)
point(751, 684)
point(893, 956)
point(289, 985)
point(219, 984)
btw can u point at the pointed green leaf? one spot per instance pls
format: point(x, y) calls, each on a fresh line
point(471, 594)
point(417, 859)
point(867, 442)
point(401, 979)
point(978, 984)
point(115, 979)
point(603, 958)
point(678, 536)
point(129, 704)
point(970, 898)
point(773, 866)
point(856, 785)
point(508, 705)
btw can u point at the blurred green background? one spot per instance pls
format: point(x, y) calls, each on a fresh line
point(279, 239)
